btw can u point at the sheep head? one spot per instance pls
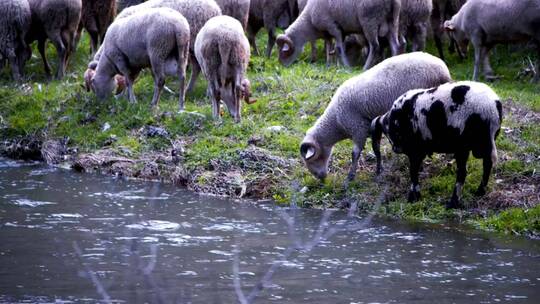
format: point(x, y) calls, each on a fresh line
point(315, 156)
point(287, 50)
point(88, 75)
point(246, 91)
point(119, 82)
point(462, 41)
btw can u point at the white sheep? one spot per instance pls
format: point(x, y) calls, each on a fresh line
point(486, 23)
point(323, 18)
point(157, 38)
point(197, 12)
point(361, 99)
point(222, 49)
point(455, 118)
point(15, 19)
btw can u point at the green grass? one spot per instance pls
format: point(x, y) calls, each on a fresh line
point(294, 98)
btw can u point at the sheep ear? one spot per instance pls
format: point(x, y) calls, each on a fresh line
point(308, 150)
point(285, 47)
point(449, 26)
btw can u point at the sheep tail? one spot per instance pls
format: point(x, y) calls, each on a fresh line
point(494, 156)
point(224, 54)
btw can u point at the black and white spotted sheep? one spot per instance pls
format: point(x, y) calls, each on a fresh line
point(455, 118)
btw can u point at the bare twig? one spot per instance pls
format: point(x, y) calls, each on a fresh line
point(92, 275)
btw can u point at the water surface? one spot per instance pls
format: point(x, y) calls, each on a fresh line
point(74, 238)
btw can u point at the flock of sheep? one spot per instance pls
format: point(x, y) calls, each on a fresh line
point(409, 97)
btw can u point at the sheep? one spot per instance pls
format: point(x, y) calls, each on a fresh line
point(442, 10)
point(223, 51)
point(414, 20)
point(488, 22)
point(454, 118)
point(197, 12)
point(269, 14)
point(96, 17)
point(238, 9)
point(56, 20)
point(157, 38)
point(323, 18)
point(15, 19)
point(361, 99)
point(122, 4)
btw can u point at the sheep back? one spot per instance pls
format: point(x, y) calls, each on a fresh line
point(372, 93)
point(197, 12)
point(150, 32)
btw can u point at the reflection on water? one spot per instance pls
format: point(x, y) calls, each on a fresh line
point(66, 237)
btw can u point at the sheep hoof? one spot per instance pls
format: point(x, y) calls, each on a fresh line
point(454, 203)
point(492, 78)
point(414, 196)
point(481, 191)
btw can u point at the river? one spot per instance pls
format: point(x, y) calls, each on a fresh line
point(82, 238)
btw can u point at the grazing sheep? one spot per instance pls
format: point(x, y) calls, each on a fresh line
point(197, 12)
point(56, 20)
point(222, 49)
point(96, 17)
point(443, 10)
point(122, 4)
point(489, 22)
point(238, 9)
point(157, 38)
point(15, 19)
point(269, 14)
point(413, 23)
point(324, 18)
point(454, 118)
point(362, 98)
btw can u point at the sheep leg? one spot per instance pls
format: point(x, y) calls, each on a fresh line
point(252, 34)
point(415, 162)
point(14, 65)
point(478, 55)
point(359, 143)
point(487, 166)
point(313, 51)
point(419, 37)
point(94, 41)
point(130, 80)
point(374, 47)
point(461, 162)
point(438, 44)
point(271, 41)
point(56, 39)
point(159, 78)
point(328, 51)
point(182, 89)
point(41, 49)
point(68, 38)
point(195, 71)
point(335, 32)
point(395, 46)
point(237, 102)
point(376, 145)
point(487, 70)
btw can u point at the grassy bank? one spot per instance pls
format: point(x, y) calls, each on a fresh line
point(259, 157)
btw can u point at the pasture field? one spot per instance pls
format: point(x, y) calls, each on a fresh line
point(259, 158)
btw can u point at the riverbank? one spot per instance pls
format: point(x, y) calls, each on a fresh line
point(61, 123)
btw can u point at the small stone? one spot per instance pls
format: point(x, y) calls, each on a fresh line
point(276, 129)
point(106, 127)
